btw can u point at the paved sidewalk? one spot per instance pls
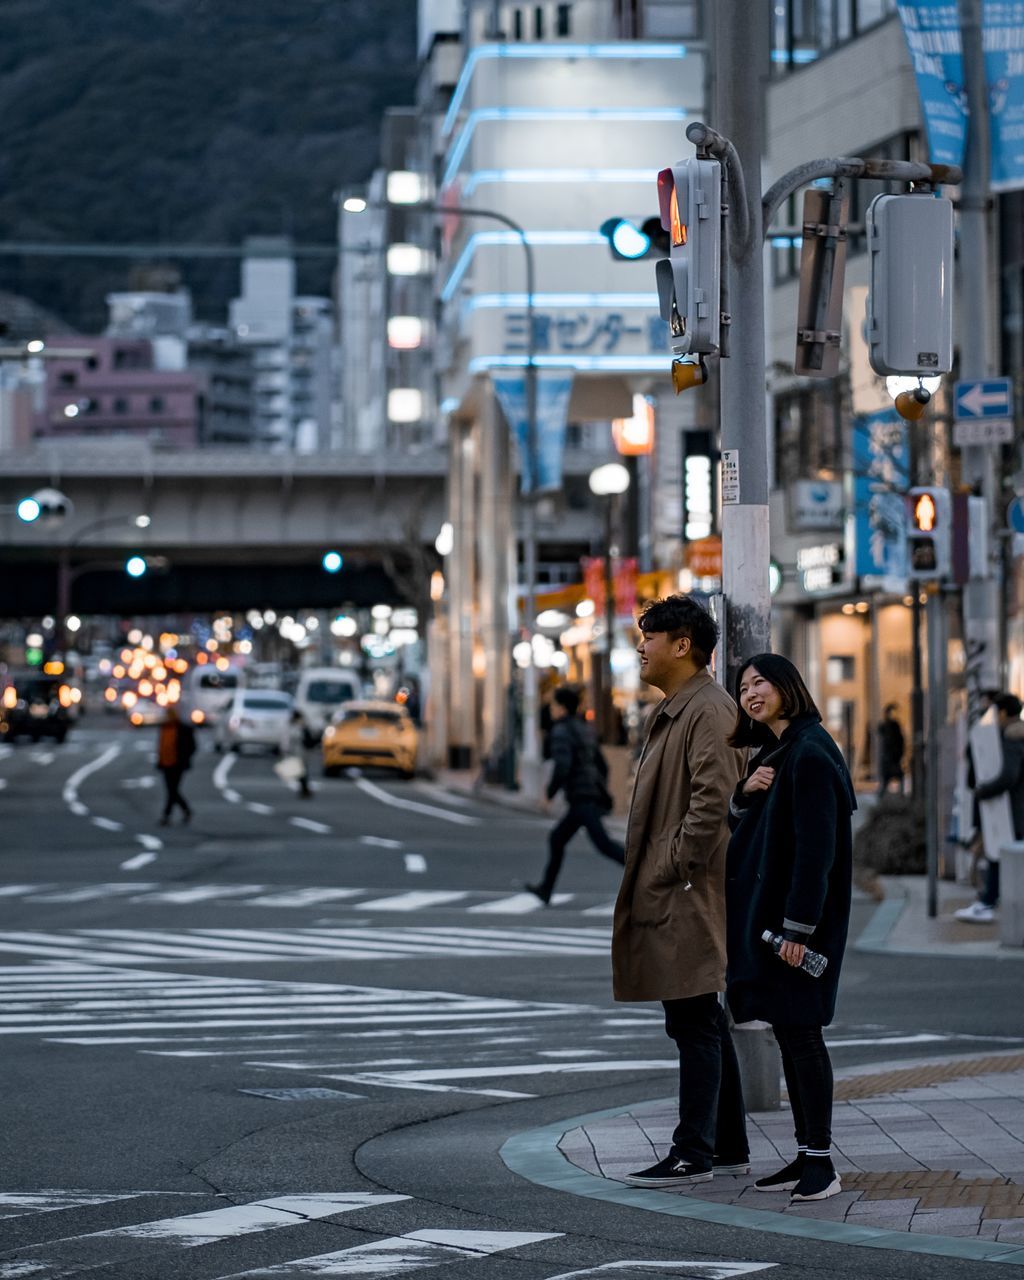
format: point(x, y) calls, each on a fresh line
point(902, 924)
point(936, 1149)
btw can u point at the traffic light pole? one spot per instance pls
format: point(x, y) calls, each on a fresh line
point(981, 595)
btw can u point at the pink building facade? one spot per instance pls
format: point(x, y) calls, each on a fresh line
point(116, 391)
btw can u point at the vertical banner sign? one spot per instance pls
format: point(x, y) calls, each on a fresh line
point(881, 467)
point(542, 471)
point(593, 581)
point(625, 586)
point(932, 29)
point(1003, 41)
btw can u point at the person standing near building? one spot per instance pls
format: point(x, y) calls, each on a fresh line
point(580, 770)
point(1009, 781)
point(890, 750)
point(668, 937)
point(790, 871)
point(175, 748)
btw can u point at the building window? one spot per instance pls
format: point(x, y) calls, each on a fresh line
point(68, 379)
point(517, 24)
point(563, 20)
point(538, 22)
point(805, 29)
point(808, 434)
point(120, 405)
point(156, 404)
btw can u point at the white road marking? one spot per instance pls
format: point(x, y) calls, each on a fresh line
point(70, 791)
point(516, 1069)
point(220, 774)
point(5, 750)
point(310, 824)
point(140, 860)
point(19, 1204)
point(90, 892)
point(254, 806)
point(382, 841)
point(195, 946)
point(413, 900)
point(153, 843)
point(231, 795)
point(415, 863)
point(3, 783)
point(303, 897)
point(410, 1252)
point(518, 904)
point(140, 784)
point(198, 893)
point(923, 1038)
point(701, 1270)
point(78, 808)
point(413, 806)
point(107, 824)
point(42, 757)
point(605, 909)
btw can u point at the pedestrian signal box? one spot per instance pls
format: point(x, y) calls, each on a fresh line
point(929, 533)
point(689, 279)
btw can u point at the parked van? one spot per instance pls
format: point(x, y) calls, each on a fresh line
point(319, 694)
point(209, 693)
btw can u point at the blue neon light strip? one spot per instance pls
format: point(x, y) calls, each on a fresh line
point(514, 301)
point(510, 237)
point(485, 177)
point(584, 364)
point(642, 115)
point(626, 49)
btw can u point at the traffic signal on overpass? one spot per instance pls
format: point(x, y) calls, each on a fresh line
point(910, 293)
point(929, 533)
point(689, 279)
point(629, 241)
point(136, 566)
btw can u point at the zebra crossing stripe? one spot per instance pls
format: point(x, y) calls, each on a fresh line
point(410, 1252)
point(518, 904)
point(18, 1204)
point(414, 900)
point(303, 897)
point(89, 892)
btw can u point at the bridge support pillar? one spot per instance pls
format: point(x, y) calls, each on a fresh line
point(461, 584)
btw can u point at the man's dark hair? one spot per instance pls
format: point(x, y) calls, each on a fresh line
point(1009, 704)
point(681, 616)
point(568, 698)
point(796, 698)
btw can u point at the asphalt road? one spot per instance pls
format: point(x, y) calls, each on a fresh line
point(293, 1035)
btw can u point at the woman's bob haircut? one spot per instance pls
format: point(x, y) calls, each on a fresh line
point(796, 698)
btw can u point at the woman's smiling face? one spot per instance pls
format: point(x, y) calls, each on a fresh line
point(759, 698)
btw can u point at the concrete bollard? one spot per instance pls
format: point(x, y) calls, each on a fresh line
point(760, 1065)
point(1011, 894)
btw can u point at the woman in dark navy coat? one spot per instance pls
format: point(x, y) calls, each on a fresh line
point(789, 870)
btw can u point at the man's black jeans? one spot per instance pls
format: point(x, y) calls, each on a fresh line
point(580, 814)
point(712, 1120)
point(808, 1071)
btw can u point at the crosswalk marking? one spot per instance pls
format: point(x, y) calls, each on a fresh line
point(473, 901)
point(18, 1204)
point(310, 824)
point(410, 1252)
point(414, 900)
point(195, 946)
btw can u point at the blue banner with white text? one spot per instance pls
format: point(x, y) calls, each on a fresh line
point(881, 474)
point(554, 387)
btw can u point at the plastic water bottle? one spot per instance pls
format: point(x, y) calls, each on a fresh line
point(813, 963)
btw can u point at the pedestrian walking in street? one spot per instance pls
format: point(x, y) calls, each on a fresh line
point(1010, 781)
point(789, 871)
point(175, 748)
point(668, 938)
point(890, 750)
point(581, 771)
point(293, 766)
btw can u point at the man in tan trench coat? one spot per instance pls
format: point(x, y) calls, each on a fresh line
point(668, 940)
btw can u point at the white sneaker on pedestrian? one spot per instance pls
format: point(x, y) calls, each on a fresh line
point(976, 913)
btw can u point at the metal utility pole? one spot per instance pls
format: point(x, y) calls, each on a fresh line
point(741, 70)
point(982, 603)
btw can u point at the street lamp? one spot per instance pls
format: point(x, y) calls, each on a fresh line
point(609, 482)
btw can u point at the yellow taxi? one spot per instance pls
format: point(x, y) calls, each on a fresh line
point(381, 734)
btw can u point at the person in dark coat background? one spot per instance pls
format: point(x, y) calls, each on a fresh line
point(891, 746)
point(580, 771)
point(176, 746)
point(789, 870)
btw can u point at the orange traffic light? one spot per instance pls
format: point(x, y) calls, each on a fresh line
point(925, 513)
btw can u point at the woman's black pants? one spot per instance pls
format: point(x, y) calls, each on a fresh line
point(808, 1071)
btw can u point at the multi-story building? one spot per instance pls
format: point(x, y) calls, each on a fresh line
point(291, 342)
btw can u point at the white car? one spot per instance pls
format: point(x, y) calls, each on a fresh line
point(256, 718)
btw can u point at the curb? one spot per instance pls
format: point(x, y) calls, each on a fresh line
point(534, 1155)
point(876, 936)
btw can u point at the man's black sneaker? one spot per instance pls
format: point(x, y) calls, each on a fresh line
point(670, 1172)
point(785, 1180)
point(539, 892)
point(818, 1181)
point(728, 1164)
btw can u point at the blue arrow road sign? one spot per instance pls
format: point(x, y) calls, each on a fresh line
point(989, 399)
point(1015, 515)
